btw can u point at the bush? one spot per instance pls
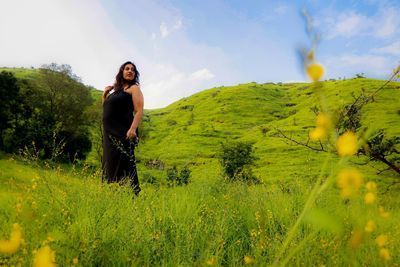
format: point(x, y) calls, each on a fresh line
point(236, 159)
point(174, 177)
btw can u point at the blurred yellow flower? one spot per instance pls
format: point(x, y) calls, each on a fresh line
point(381, 240)
point(369, 198)
point(371, 186)
point(248, 260)
point(315, 71)
point(346, 144)
point(349, 181)
point(75, 261)
point(12, 245)
point(323, 121)
point(356, 239)
point(45, 257)
point(370, 227)
point(211, 262)
point(317, 133)
point(383, 213)
point(384, 254)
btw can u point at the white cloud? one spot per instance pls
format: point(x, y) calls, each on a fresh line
point(392, 49)
point(203, 74)
point(178, 24)
point(367, 61)
point(281, 10)
point(387, 23)
point(78, 33)
point(348, 64)
point(164, 30)
point(382, 24)
point(348, 25)
point(171, 84)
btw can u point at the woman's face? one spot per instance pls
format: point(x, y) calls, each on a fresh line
point(129, 72)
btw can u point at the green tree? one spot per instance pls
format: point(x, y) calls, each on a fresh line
point(64, 107)
point(50, 112)
point(9, 96)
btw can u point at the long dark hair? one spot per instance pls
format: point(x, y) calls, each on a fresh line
point(120, 81)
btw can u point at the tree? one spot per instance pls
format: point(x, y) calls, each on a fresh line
point(50, 111)
point(64, 105)
point(9, 93)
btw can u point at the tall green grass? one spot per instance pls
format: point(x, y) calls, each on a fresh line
point(203, 223)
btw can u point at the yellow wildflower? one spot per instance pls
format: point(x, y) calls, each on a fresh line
point(248, 260)
point(356, 239)
point(370, 227)
point(383, 213)
point(369, 198)
point(384, 254)
point(12, 245)
point(371, 186)
point(211, 262)
point(75, 261)
point(323, 121)
point(349, 181)
point(45, 257)
point(315, 71)
point(381, 240)
point(317, 133)
point(346, 144)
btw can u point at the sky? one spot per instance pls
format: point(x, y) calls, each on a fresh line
point(181, 47)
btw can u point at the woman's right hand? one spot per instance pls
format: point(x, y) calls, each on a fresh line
point(107, 91)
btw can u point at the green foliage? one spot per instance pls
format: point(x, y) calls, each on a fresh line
point(378, 147)
point(51, 111)
point(174, 177)
point(236, 159)
point(351, 114)
point(9, 98)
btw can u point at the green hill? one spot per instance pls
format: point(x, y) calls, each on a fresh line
point(191, 130)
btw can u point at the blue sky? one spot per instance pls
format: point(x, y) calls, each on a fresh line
point(183, 47)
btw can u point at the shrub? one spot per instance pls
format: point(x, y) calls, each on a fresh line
point(236, 159)
point(174, 177)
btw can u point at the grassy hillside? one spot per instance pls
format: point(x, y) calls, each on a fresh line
point(191, 130)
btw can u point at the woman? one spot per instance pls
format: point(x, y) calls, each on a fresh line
point(120, 126)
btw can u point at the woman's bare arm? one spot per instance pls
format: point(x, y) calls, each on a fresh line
point(138, 103)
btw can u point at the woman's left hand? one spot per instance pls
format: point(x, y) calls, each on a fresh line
point(131, 134)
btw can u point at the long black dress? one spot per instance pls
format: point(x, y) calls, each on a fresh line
point(118, 152)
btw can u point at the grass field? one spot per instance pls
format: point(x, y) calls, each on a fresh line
point(205, 223)
point(295, 217)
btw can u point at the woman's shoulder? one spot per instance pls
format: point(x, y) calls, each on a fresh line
point(133, 88)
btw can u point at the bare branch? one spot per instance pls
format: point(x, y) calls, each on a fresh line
point(283, 135)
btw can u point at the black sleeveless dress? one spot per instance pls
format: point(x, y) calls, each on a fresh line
point(118, 152)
